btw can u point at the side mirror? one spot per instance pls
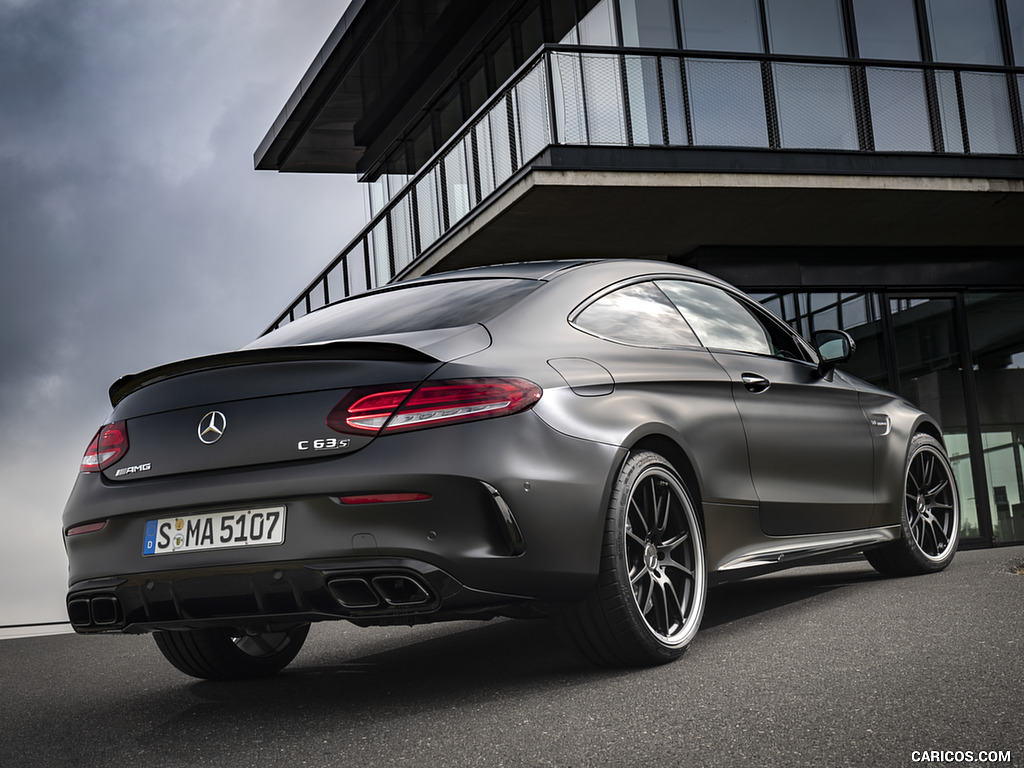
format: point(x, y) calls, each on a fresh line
point(833, 347)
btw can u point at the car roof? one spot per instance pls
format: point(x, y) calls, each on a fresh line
point(550, 269)
point(533, 270)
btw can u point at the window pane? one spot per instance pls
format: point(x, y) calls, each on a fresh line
point(815, 106)
point(886, 29)
point(1015, 12)
point(719, 320)
point(675, 112)
point(727, 103)
point(807, 27)
point(638, 314)
point(530, 101)
point(949, 111)
point(964, 31)
point(899, 110)
point(644, 100)
point(986, 102)
point(532, 33)
point(602, 83)
point(598, 26)
point(721, 25)
point(456, 189)
point(648, 23)
point(567, 84)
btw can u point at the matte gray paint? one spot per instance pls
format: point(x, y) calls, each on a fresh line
point(817, 479)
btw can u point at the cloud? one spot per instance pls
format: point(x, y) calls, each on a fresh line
point(133, 229)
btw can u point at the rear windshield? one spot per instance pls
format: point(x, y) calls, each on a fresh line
point(415, 308)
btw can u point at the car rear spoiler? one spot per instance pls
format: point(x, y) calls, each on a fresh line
point(336, 350)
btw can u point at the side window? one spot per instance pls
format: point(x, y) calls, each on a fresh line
point(719, 320)
point(640, 315)
point(784, 342)
point(723, 321)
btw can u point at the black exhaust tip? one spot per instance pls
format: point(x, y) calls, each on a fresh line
point(106, 611)
point(354, 593)
point(401, 590)
point(78, 613)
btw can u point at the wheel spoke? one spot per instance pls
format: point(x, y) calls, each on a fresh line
point(679, 567)
point(671, 544)
point(673, 606)
point(639, 515)
point(912, 477)
point(913, 516)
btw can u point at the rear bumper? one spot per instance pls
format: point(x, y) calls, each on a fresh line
point(515, 513)
point(370, 591)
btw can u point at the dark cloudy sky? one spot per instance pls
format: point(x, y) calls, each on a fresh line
point(133, 228)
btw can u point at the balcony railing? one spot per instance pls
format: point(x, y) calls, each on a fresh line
point(574, 95)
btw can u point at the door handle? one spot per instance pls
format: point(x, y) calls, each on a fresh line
point(755, 383)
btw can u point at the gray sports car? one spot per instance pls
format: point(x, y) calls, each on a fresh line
point(597, 441)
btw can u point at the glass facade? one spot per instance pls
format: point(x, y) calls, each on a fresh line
point(844, 76)
point(914, 345)
point(886, 29)
point(823, 104)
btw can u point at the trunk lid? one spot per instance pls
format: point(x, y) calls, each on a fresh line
point(256, 406)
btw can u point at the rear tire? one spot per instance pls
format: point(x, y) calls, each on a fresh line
point(221, 653)
point(649, 598)
point(930, 515)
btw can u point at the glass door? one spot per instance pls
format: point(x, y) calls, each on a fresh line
point(996, 325)
point(930, 370)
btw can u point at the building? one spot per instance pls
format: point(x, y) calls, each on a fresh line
point(852, 163)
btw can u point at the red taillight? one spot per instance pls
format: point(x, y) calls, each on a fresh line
point(403, 408)
point(109, 445)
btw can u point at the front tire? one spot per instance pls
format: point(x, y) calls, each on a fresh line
point(930, 516)
point(651, 588)
point(221, 653)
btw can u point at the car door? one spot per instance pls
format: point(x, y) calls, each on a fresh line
point(663, 375)
point(808, 441)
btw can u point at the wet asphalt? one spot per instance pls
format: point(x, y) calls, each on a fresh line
point(823, 666)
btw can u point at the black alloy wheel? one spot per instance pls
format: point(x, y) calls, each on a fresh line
point(649, 599)
point(930, 518)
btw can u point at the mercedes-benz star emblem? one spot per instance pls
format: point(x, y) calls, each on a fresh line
point(212, 426)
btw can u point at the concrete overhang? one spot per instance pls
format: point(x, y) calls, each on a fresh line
point(551, 212)
point(379, 68)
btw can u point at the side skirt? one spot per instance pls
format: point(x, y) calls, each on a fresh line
point(778, 554)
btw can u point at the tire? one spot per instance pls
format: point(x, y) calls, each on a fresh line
point(930, 514)
point(649, 598)
point(221, 653)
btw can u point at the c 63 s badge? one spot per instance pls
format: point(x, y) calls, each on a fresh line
point(323, 444)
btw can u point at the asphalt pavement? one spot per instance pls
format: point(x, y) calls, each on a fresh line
point(823, 666)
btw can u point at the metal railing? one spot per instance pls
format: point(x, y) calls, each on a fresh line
point(575, 95)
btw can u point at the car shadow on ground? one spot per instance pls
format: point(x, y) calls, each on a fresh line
point(742, 599)
point(497, 658)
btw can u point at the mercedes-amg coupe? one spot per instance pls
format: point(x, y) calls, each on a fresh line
point(594, 441)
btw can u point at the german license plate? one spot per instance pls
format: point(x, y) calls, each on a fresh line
point(214, 530)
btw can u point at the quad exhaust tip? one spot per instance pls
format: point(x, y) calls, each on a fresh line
point(391, 590)
point(95, 612)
